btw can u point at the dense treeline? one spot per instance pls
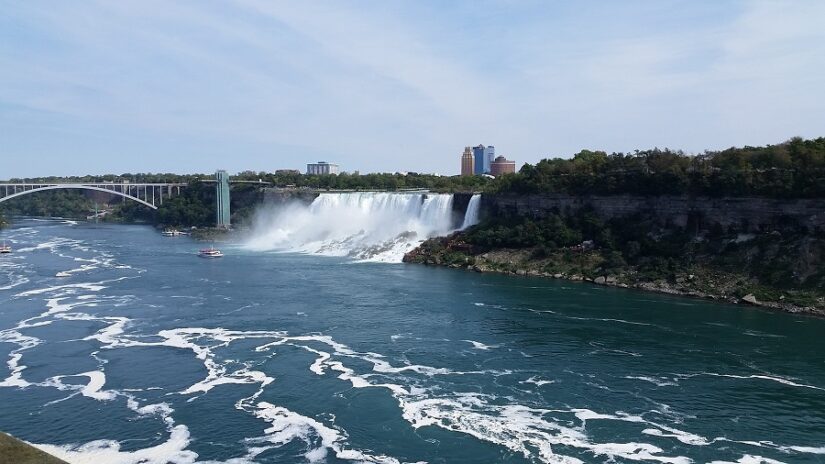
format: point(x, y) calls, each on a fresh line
point(375, 181)
point(795, 168)
point(55, 203)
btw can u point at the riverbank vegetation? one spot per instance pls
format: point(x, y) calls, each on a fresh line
point(373, 181)
point(784, 266)
point(793, 169)
point(73, 204)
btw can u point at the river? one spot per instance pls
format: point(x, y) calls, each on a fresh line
point(148, 354)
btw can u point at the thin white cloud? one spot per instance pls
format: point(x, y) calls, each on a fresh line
point(399, 86)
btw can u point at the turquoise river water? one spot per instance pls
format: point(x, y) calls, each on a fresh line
point(145, 353)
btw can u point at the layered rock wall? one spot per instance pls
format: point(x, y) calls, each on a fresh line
point(701, 213)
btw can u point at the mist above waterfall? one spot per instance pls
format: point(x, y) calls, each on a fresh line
point(369, 226)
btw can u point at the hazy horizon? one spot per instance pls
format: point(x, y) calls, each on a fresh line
point(191, 87)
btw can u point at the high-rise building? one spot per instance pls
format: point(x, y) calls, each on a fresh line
point(478, 157)
point(484, 157)
point(467, 162)
point(322, 167)
point(222, 194)
point(502, 165)
point(489, 156)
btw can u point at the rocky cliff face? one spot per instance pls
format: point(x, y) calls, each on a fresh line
point(279, 196)
point(695, 213)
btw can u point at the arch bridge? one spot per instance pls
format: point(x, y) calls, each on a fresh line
point(148, 194)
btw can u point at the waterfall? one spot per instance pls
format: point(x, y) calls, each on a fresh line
point(368, 226)
point(471, 216)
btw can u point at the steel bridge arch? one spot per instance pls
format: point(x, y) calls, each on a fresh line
point(77, 187)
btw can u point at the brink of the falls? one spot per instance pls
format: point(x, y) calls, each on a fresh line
point(369, 226)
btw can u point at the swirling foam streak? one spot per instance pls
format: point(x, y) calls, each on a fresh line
point(173, 451)
point(772, 378)
point(750, 459)
point(537, 381)
point(286, 426)
point(479, 345)
point(516, 427)
point(14, 278)
point(658, 381)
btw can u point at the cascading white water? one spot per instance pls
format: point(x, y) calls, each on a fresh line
point(366, 225)
point(471, 216)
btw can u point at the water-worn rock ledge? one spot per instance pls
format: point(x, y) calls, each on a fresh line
point(698, 282)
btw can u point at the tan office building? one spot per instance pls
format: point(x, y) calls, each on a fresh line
point(467, 162)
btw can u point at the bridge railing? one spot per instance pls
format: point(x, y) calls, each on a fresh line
point(149, 194)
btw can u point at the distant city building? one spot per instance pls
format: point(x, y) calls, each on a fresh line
point(467, 162)
point(287, 171)
point(478, 159)
point(502, 165)
point(322, 167)
point(483, 158)
point(489, 156)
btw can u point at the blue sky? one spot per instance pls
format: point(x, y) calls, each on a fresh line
point(193, 86)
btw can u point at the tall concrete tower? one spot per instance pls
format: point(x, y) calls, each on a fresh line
point(467, 162)
point(222, 195)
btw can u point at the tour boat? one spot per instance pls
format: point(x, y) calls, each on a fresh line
point(210, 253)
point(5, 248)
point(171, 233)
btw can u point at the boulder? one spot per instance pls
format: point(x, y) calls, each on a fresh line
point(750, 298)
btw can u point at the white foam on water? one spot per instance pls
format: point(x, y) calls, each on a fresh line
point(23, 342)
point(537, 381)
point(366, 226)
point(516, 427)
point(14, 280)
point(805, 449)
point(94, 389)
point(537, 434)
point(658, 381)
point(287, 426)
point(772, 378)
point(480, 346)
point(750, 459)
point(92, 287)
point(51, 245)
point(173, 451)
